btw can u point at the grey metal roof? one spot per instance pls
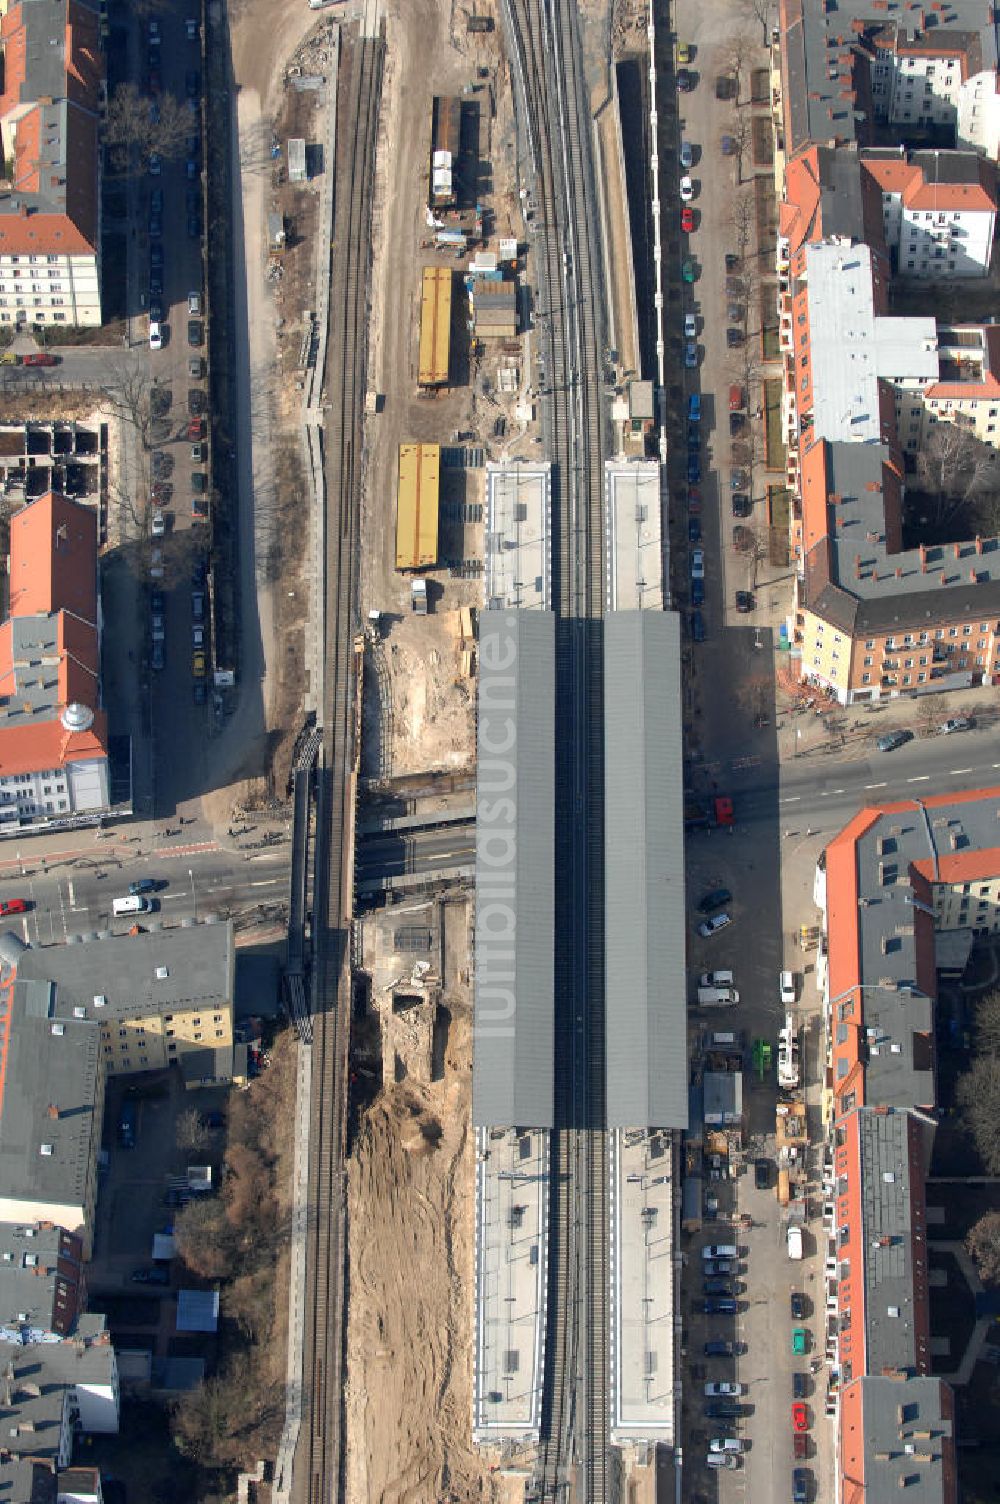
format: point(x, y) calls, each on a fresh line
point(645, 988)
point(196, 968)
point(39, 1281)
point(895, 1291)
point(909, 1437)
point(49, 1130)
point(512, 1074)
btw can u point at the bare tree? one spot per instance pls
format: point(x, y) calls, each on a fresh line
point(978, 1094)
point(736, 54)
point(191, 1133)
point(958, 472)
point(741, 221)
point(988, 1025)
point(762, 11)
point(983, 1243)
point(136, 128)
point(741, 132)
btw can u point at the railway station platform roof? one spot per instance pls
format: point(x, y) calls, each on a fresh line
point(642, 1286)
point(512, 1212)
point(417, 506)
point(518, 538)
point(632, 512)
point(513, 1038)
point(645, 984)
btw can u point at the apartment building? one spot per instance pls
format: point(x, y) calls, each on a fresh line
point(70, 1016)
point(53, 729)
point(903, 889)
point(42, 1285)
point(938, 210)
point(51, 101)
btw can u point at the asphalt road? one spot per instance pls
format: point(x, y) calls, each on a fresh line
point(73, 896)
point(391, 855)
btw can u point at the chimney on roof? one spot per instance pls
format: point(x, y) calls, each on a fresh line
point(979, 544)
point(899, 573)
point(923, 559)
point(53, 1111)
point(944, 578)
point(958, 550)
point(857, 566)
point(973, 576)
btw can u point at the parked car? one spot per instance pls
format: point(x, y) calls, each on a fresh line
point(690, 328)
point(199, 481)
point(686, 189)
point(195, 332)
point(722, 1410)
point(198, 665)
point(744, 601)
point(724, 1389)
point(684, 81)
point(687, 155)
point(199, 691)
point(732, 262)
point(720, 1266)
point(157, 524)
point(720, 1305)
point(154, 1274)
point(197, 605)
point(13, 906)
point(41, 358)
point(716, 1286)
point(194, 302)
point(800, 1385)
point(800, 1341)
point(688, 273)
point(734, 337)
point(893, 739)
point(737, 423)
point(694, 530)
point(797, 1302)
point(715, 898)
point(728, 144)
point(800, 1417)
point(155, 166)
point(762, 1174)
point(199, 452)
point(697, 564)
point(738, 480)
point(155, 335)
point(694, 469)
point(191, 29)
point(687, 220)
point(731, 1445)
point(690, 355)
point(786, 986)
point(199, 508)
point(741, 505)
point(801, 1478)
point(684, 53)
point(197, 401)
point(725, 86)
point(735, 398)
point(157, 656)
point(697, 627)
point(697, 592)
point(142, 885)
point(719, 1349)
point(956, 723)
point(710, 927)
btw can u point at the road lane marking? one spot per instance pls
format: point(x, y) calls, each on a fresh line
point(921, 778)
point(72, 894)
point(837, 791)
point(794, 798)
point(267, 882)
point(874, 785)
point(957, 772)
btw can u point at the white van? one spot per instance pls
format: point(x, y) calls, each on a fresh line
point(724, 1041)
point(794, 1242)
point(131, 905)
point(715, 979)
point(717, 997)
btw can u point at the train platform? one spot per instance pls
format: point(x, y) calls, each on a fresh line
point(512, 1211)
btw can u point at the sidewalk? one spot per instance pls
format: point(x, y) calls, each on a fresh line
point(843, 731)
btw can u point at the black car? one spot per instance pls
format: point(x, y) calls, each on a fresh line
point(801, 1478)
point(697, 627)
point(196, 333)
point(718, 1287)
point(738, 480)
point(142, 885)
point(155, 225)
point(719, 1349)
point(155, 284)
point(161, 464)
point(194, 226)
point(732, 261)
point(716, 899)
point(156, 601)
point(157, 655)
point(893, 739)
point(744, 601)
point(741, 504)
point(156, 310)
point(762, 1174)
point(684, 81)
point(192, 199)
point(213, 1120)
point(199, 482)
point(694, 435)
point(192, 84)
point(737, 423)
point(196, 401)
point(694, 469)
point(725, 86)
point(800, 1386)
point(694, 530)
point(734, 338)
point(156, 201)
point(156, 253)
point(199, 692)
point(723, 1410)
point(742, 538)
point(156, 1274)
point(798, 1305)
point(199, 508)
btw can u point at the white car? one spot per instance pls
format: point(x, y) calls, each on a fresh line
point(710, 927)
point(727, 1390)
point(732, 1446)
point(787, 985)
point(687, 190)
point(154, 165)
point(956, 723)
point(155, 335)
point(722, 1459)
point(690, 326)
point(697, 563)
point(158, 524)
point(194, 302)
point(191, 29)
point(687, 155)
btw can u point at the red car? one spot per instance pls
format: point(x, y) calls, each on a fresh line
point(13, 906)
point(694, 499)
point(44, 359)
point(687, 219)
point(196, 428)
point(800, 1417)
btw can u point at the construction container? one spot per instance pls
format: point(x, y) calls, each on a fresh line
point(417, 506)
point(435, 327)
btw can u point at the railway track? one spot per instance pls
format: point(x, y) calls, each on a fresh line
point(318, 1469)
point(545, 54)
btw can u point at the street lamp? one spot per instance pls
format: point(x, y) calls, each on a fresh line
point(194, 896)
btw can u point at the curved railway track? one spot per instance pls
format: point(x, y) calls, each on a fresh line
point(551, 97)
point(318, 1471)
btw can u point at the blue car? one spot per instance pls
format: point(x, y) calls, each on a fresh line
point(694, 530)
point(694, 469)
point(690, 355)
point(697, 592)
point(697, 626)
point(720, 1305)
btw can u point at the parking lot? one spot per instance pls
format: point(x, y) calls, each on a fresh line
point(144, 1175)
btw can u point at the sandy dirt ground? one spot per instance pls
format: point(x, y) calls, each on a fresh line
point(430, 719)
point(409, 1341)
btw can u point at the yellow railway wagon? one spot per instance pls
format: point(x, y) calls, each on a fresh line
point(417, 506)
point(435, 326)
